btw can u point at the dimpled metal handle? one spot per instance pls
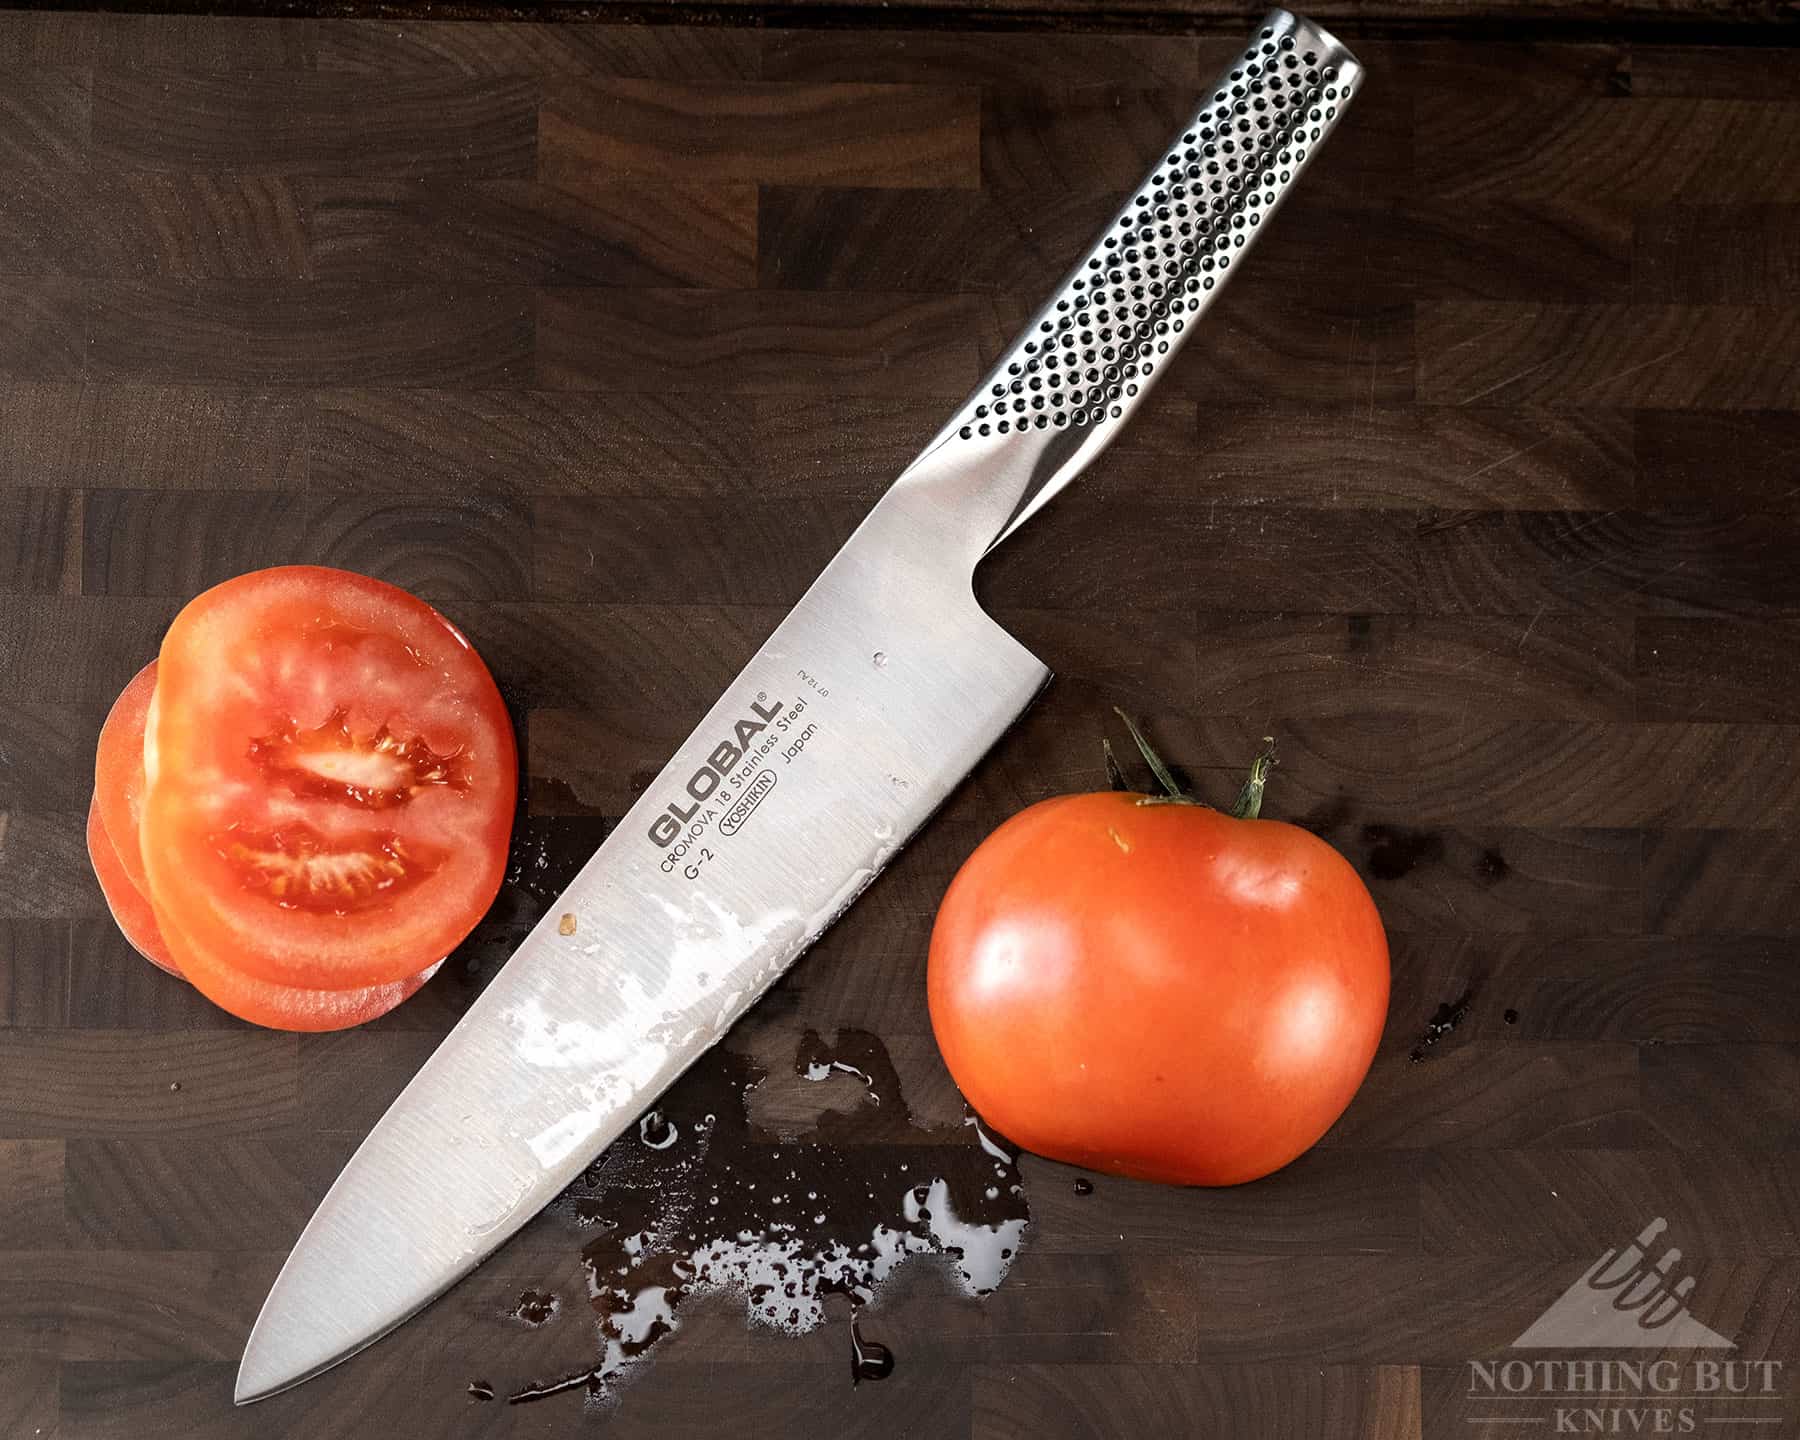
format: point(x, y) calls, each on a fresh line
point(1086, 360)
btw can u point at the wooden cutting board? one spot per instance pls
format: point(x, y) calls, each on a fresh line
point(1481, 491)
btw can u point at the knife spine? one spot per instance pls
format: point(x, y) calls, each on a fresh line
point(1090, 354)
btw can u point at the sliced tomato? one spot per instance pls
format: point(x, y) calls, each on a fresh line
point(119, 773)
point(288, 1007)
point(331, 778)
point(130, 910)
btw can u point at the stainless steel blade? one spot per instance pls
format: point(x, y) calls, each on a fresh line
point(849, 727)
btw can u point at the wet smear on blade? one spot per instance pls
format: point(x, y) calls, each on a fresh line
point(709, 1196)
point(1448, 1016)
point(480, 1390)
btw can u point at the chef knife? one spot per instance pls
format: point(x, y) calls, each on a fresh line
point(859, 715)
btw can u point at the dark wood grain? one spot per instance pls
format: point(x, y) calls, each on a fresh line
point(1480, 490)
point(72, 1083)
point(145, 223)
point(308, 124)
point(384, 48)
point(342, 333)
point(1358, 1403)
point(1648, 356)
point(42, 329)
point(590, 231)
point(771, 133)
point(140, 437)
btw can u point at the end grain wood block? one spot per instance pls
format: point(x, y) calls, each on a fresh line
point(714, 550)
point(1497, 1096)
point(769, 133)
point(43, 118)
point(203, 42)
point(532, 442)
point(1322, 664)
point(580, 655)
point(385, 48)
point(309, 333)
point(44, 869)
point(34, 973)
point(447, 549)
point(79, 649)
point(43, 329)
point(1740, 1098)
point(1717, 255)
point(1631, 152)
point(122, 1305)
point(1679, 455)
point(80, 1083)
point(120, 224)
point(1720, 882)
point(111, 987)
point(762, 342)
point(1642, 356)
point(1574, 1204)
point(31, 1198)
point(40, 38)
point(176, 543)
point(152, 437)
point(1352, 1402)
point(315, 124)
point(594, 231)
point(1715, 669)
point(1687, 990)
point(1003, 61)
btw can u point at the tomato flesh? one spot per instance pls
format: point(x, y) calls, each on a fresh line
point(1158, 990)
point(130, 910)
point(332, 777)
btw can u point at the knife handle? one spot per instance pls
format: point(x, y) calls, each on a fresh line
point(1086, 360)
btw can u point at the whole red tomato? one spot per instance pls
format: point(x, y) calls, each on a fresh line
point(1158, 989)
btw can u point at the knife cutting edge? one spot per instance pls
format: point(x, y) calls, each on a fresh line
point(861, 712)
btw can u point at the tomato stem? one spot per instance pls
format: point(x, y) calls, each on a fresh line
point(1114, 774)
point(1249, 801)
point(1152, 759)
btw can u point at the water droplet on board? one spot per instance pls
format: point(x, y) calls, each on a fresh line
point(1447, 1017)
point(869, 1359)
point(720, 1214)
point(880, 658)
point(536, 1307)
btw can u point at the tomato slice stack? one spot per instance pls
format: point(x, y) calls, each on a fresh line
point(305, 802)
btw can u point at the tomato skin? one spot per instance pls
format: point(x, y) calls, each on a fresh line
point(287, 1007)
point(298, 825)
point(130, 910)
point(119, 773)
point(1157, 990)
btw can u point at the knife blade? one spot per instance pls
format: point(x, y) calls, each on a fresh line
point(854, 721)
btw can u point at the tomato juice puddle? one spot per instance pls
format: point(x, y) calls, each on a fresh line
point(782, 1178)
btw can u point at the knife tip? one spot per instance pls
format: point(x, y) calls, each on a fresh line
point(256, 1378)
